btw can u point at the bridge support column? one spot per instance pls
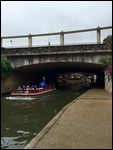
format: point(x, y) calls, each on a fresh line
point(61, 38)
point(100, 80)
point(30, 40)
point(98, 35)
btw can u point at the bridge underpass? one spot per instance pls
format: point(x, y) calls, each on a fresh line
point(51, 70)
point(61, 67)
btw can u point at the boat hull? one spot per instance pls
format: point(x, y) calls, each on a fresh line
point(32, 94)
point(28, 95)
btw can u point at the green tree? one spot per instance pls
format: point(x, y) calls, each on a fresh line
point(108, 42)
point(106, 62)
point(6, 68)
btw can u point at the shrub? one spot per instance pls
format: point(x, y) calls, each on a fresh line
point(6, 68)
point(106, 62)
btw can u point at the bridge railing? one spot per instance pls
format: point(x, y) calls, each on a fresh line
point(62, 33)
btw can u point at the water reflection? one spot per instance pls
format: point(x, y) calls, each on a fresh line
point(22, 120)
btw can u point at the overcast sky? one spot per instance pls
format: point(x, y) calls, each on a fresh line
point(38, 17)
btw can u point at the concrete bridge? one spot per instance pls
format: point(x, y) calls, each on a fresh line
point(55, 58)
point(30, 64)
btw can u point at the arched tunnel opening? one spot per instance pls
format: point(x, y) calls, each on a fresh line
point(32, 74)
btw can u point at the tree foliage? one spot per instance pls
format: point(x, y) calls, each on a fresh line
point(105, 61)
point(5, 67)
point(108, 40)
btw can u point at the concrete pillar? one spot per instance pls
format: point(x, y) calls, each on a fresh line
point(61, 38)
point(48, 43)
point(95, 77)
point(98, 35)
point(100, 79)
point(29, 40)
point(1, 42)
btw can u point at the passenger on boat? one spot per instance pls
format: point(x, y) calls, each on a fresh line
point(32, 87)
point(35, 88)
point(23, 87)
point(27, 87)
point(43, 79)
point(43, 83)
point(19, 88)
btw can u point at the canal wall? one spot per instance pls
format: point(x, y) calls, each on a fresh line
point(108, 83)
point(17, 79)
point(12, 82)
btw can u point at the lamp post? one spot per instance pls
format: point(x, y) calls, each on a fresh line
point(11, 43)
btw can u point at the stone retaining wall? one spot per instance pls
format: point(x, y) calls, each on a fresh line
point(16, 79)
point(108, 83)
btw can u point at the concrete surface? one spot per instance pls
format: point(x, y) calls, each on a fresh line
point(85, 123)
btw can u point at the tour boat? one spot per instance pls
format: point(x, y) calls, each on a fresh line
point(30, 94)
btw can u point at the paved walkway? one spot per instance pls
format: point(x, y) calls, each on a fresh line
point(85, 123)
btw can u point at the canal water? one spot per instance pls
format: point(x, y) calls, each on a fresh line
point(21, 120)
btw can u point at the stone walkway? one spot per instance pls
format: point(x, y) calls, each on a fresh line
point(85, 123)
